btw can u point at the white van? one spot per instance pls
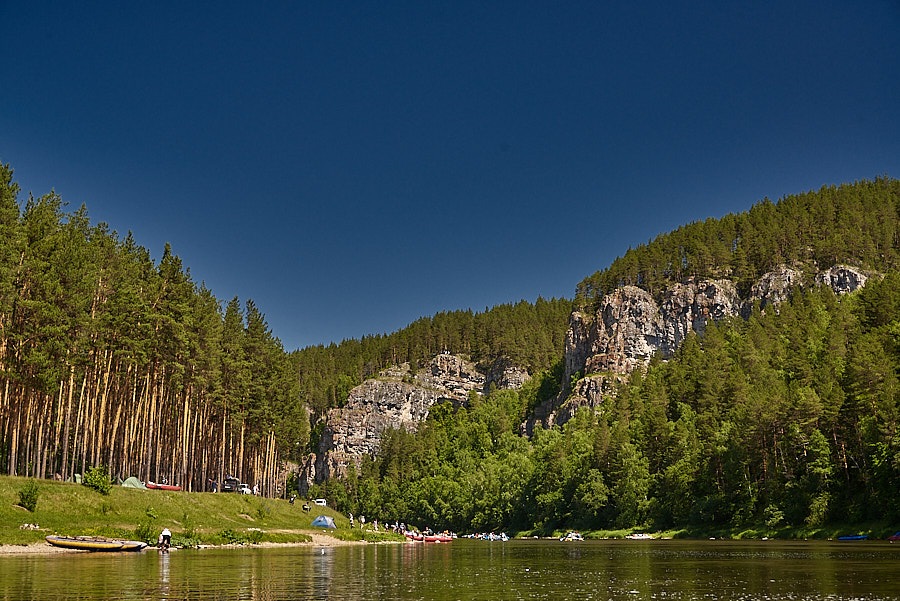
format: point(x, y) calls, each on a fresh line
point(321, 502)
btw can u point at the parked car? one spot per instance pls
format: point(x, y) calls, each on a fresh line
point(321, 502)
point(244, 489)
point(231, 484)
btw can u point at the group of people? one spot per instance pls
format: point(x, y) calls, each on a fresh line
point(398, 527)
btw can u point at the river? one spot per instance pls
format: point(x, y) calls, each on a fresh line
point(470, 570)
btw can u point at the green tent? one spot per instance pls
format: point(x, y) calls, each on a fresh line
point(133, 482)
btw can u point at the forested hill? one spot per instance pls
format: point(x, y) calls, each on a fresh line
point(108, 358)
point(854, 223)
point(528, 335)
point(786, 417)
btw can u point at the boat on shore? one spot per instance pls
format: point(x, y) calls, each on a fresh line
point(94, 543)
point(157, 486)
point(639, 536)
point(428, 538)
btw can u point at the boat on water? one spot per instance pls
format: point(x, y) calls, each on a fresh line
point(854, 537)
point(571, 536)
point(94, 543)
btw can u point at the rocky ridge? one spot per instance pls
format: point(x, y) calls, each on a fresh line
point(628, 328)
point(623, 333)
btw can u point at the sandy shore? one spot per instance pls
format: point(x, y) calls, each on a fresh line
point(45, 548)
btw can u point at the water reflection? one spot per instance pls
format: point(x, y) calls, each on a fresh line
point(164, 573)
point(469, 570)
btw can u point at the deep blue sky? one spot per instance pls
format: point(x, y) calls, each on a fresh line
point(353, 166)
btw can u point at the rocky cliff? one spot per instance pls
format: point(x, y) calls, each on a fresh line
point(628, 328)
point(398, 398)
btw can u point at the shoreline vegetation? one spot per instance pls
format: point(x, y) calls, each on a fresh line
point(196, 520)
point(232, 520)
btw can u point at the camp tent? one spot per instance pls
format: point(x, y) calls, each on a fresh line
point(133, 482)
point(324, 521)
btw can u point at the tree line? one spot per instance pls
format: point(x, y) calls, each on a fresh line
point(107, 358)
point(529, 335)
point(856, 222)
point(789, 417)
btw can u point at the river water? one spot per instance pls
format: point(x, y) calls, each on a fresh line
point(469, 570)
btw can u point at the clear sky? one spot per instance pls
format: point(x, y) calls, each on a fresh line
point(353, 166)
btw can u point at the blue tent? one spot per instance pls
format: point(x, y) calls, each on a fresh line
point(323, 521)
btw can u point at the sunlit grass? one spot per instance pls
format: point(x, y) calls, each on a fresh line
point(194, 518)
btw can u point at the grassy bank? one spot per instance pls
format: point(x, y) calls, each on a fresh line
point(71, 509)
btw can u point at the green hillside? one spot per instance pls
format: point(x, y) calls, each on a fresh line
point(195, 519)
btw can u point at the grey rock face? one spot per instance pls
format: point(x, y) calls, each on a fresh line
point(628, 328)
point(397, 400)
point(843, 279)
point(774, 287)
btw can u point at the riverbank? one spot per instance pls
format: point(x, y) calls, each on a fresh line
point(195, 519)
point(317, 540)
point(221, 519)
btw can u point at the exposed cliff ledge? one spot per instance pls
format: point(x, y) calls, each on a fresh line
point(628, 328)
point(398, 399)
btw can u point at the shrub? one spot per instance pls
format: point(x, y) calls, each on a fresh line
point(182, 540)
point(255, 536)
point(28, 496)
point(98, 479)
point(146, 532)
point(232, 537)
point(190, 530)
point(263, 510)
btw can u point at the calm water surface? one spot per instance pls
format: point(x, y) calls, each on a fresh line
point(469, 570)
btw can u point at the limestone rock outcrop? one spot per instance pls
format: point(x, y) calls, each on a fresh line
point(628, 328)
point(843, 279)
point(774, 288)
point(398, 399)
